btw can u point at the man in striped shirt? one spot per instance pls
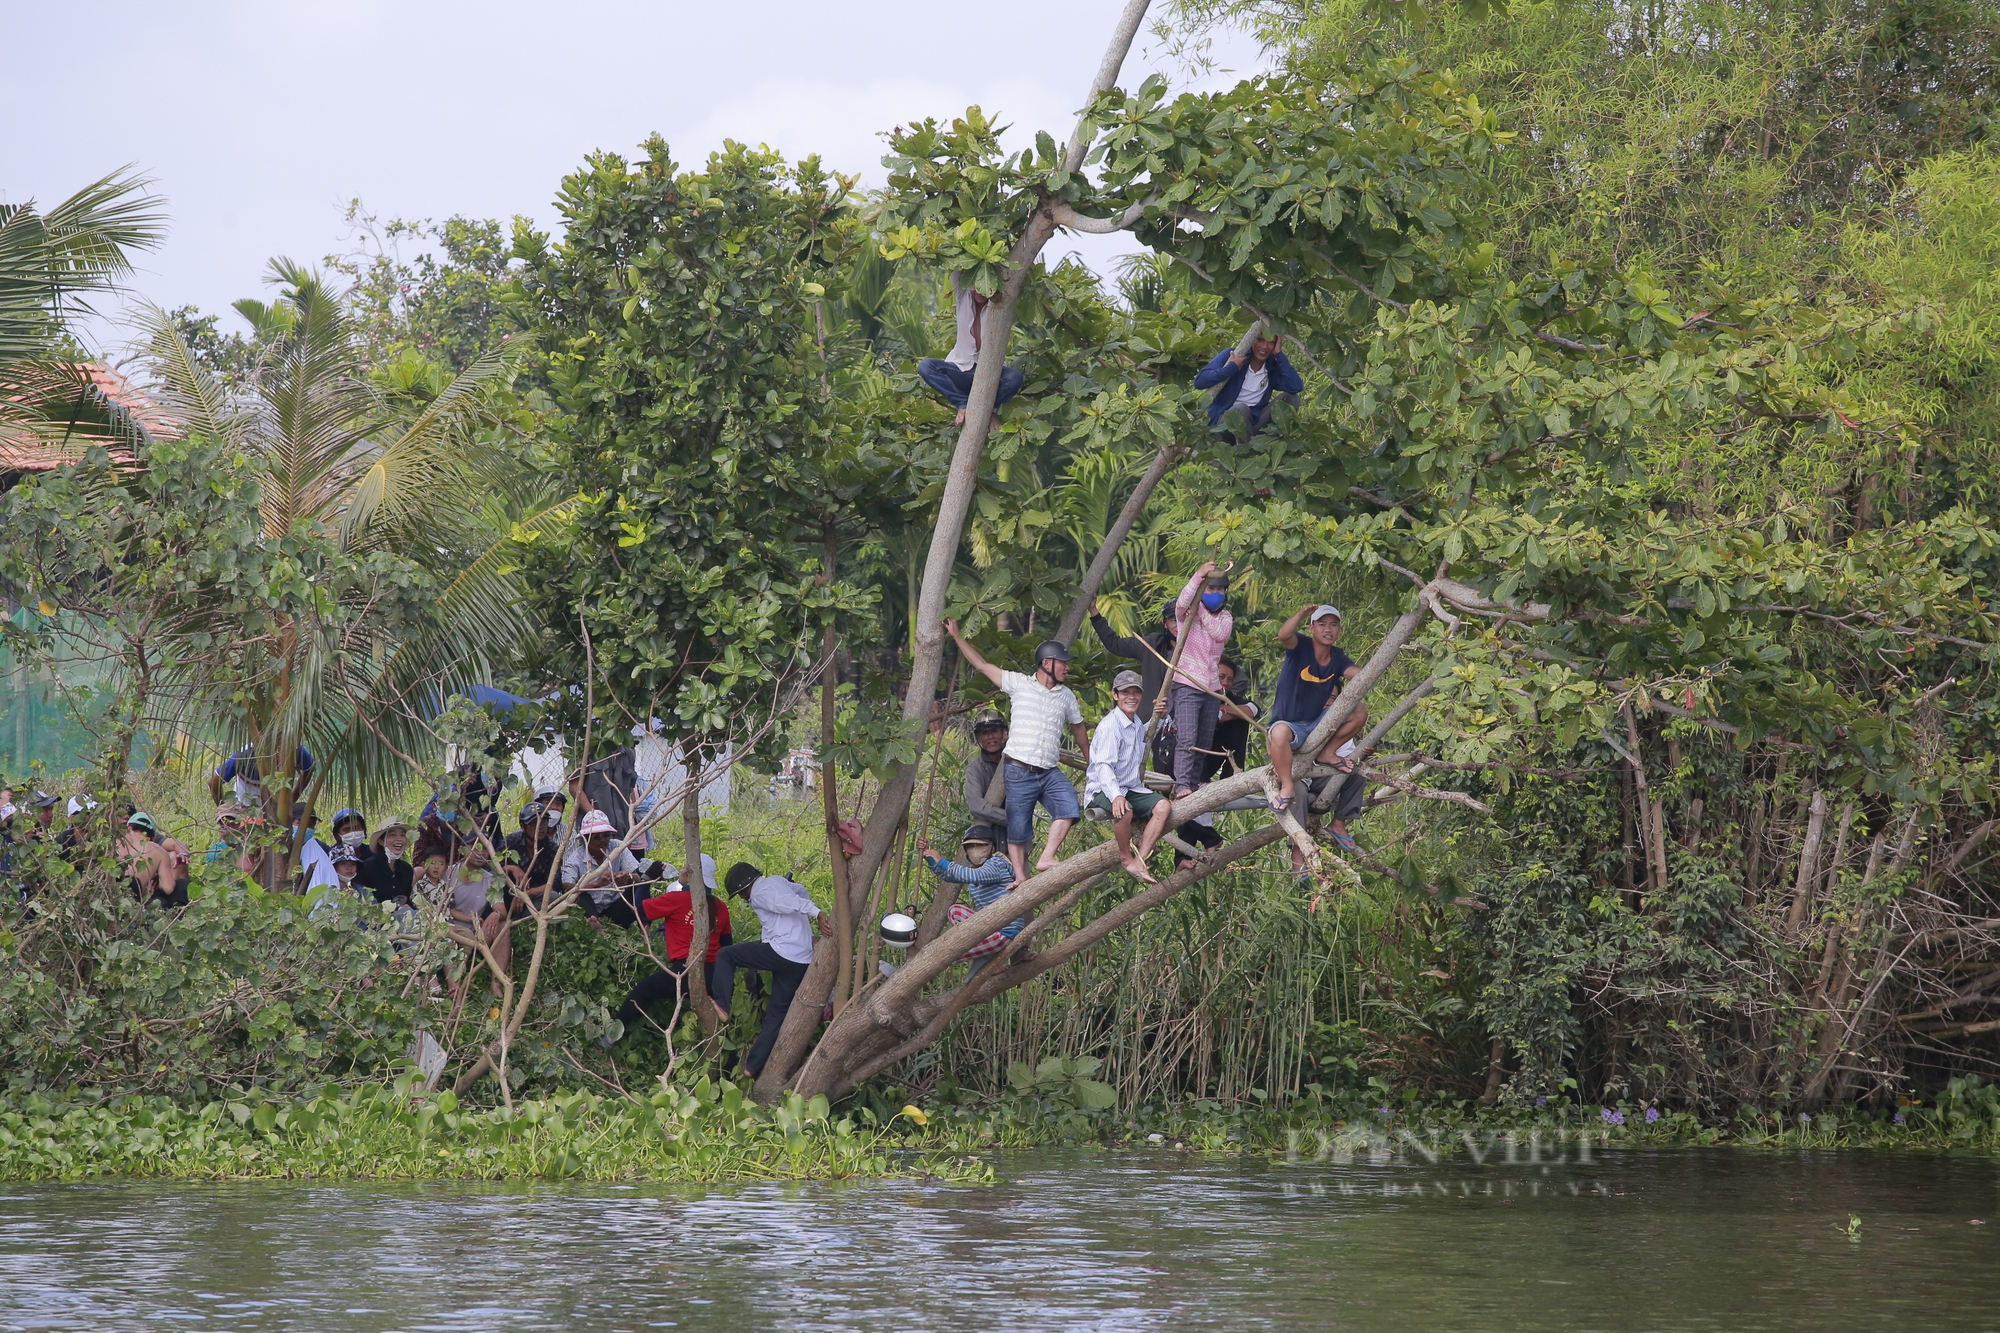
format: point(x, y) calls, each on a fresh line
point(1042, 706)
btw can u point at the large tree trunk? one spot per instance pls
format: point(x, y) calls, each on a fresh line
point(961, 480)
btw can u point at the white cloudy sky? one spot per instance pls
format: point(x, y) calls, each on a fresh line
point(259, 119)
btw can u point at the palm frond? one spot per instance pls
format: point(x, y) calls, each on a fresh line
point(432, 456)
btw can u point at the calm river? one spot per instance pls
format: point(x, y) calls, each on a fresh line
point(1630, 1241)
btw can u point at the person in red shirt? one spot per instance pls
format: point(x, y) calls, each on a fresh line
point(674, 910)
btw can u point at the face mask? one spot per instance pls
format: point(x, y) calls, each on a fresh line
point(354, 839)
point(1214, 600)
point(552, 818)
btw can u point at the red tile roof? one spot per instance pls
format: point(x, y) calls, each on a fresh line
point(24, 451)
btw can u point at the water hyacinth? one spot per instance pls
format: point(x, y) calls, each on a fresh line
point(1612, 1117)
point(1652, 1115)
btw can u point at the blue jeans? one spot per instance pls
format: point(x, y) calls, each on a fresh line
point(1024, 788)
point(955, 385)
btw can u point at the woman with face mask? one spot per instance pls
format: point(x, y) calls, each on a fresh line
point(1197, 685)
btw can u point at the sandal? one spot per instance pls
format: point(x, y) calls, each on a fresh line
point(1345, 842)
point(1279, 806)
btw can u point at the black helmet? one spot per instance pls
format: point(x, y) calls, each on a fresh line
point(1051, 649)
point(989, 719)
point(980, 833)
point(1169, 613)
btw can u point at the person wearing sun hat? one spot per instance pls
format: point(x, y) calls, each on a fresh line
point(388, 872)
point(599, 872)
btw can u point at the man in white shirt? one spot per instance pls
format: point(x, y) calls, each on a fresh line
point(601, 873)
point(785, 913)
point(952, 377)
point(1116, 782)
point(1042, 705)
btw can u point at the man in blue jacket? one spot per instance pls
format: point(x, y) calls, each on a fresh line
point(1250, 383)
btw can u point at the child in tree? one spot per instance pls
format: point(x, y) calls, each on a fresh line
point(987, 877)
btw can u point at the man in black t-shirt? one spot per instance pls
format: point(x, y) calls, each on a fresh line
point(1315, 669)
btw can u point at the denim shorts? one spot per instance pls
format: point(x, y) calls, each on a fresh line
point(1300, 729)
point(1024, 788)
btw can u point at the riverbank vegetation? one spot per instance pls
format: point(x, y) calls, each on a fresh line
point(1647, 446)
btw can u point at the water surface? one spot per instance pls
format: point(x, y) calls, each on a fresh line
point(1629, 1241)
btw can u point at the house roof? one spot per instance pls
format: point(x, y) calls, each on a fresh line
point(122, 402)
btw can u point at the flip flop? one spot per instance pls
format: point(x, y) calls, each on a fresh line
point(1345, 842)
point(1279, 806)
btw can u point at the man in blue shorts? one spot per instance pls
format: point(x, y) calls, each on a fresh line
point(1043, 708)
point(1315, 669)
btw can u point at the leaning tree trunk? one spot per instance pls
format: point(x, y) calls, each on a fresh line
point(697, 887)
point(961, 481)
point(894, 1020)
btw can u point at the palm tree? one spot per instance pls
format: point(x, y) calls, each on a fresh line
point(419, 507)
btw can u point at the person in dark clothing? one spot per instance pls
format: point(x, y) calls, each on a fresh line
point(1232, 732)
point(528, 857)
point(986, 776)
point(674, 910)
point(611, 785)
point(1248, 383)
point(387, 872)
point(1315, 671)
point(785, 911)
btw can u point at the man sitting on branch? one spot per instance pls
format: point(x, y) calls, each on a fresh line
point(1250, 383)
point(1315, 669)
point(1117, 779)
point(1042, 706)
point(952, 376)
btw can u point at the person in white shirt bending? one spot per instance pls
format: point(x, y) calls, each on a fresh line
point(952, 376)
point(1117, 784)
point(785, 911)
point(1043, 705)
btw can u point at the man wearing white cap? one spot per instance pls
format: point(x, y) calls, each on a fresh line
point(1315, 669)
point(1116, 777)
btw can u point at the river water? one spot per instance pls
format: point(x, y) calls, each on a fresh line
point(1625, 1241)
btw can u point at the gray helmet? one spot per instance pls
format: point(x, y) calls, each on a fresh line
point(980, 833)
point(989, 719)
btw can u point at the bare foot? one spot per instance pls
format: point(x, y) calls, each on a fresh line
point(1137, 870)
point(996, 422)
point(721, 1014)
point(1046, 863)
point(959, 420)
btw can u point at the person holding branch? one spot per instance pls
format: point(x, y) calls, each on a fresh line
point(1315, 669)
point(1249, 380)
point(1197, 684)
point(1042, 706)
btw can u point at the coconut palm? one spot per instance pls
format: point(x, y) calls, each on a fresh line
point(416, 504)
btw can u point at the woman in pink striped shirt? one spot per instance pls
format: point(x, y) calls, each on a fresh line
point(1202, 609)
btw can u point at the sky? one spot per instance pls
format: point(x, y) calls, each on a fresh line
point(258, 121)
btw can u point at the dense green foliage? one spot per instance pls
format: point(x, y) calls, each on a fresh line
point(1647, 354)
point(392, 1131)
